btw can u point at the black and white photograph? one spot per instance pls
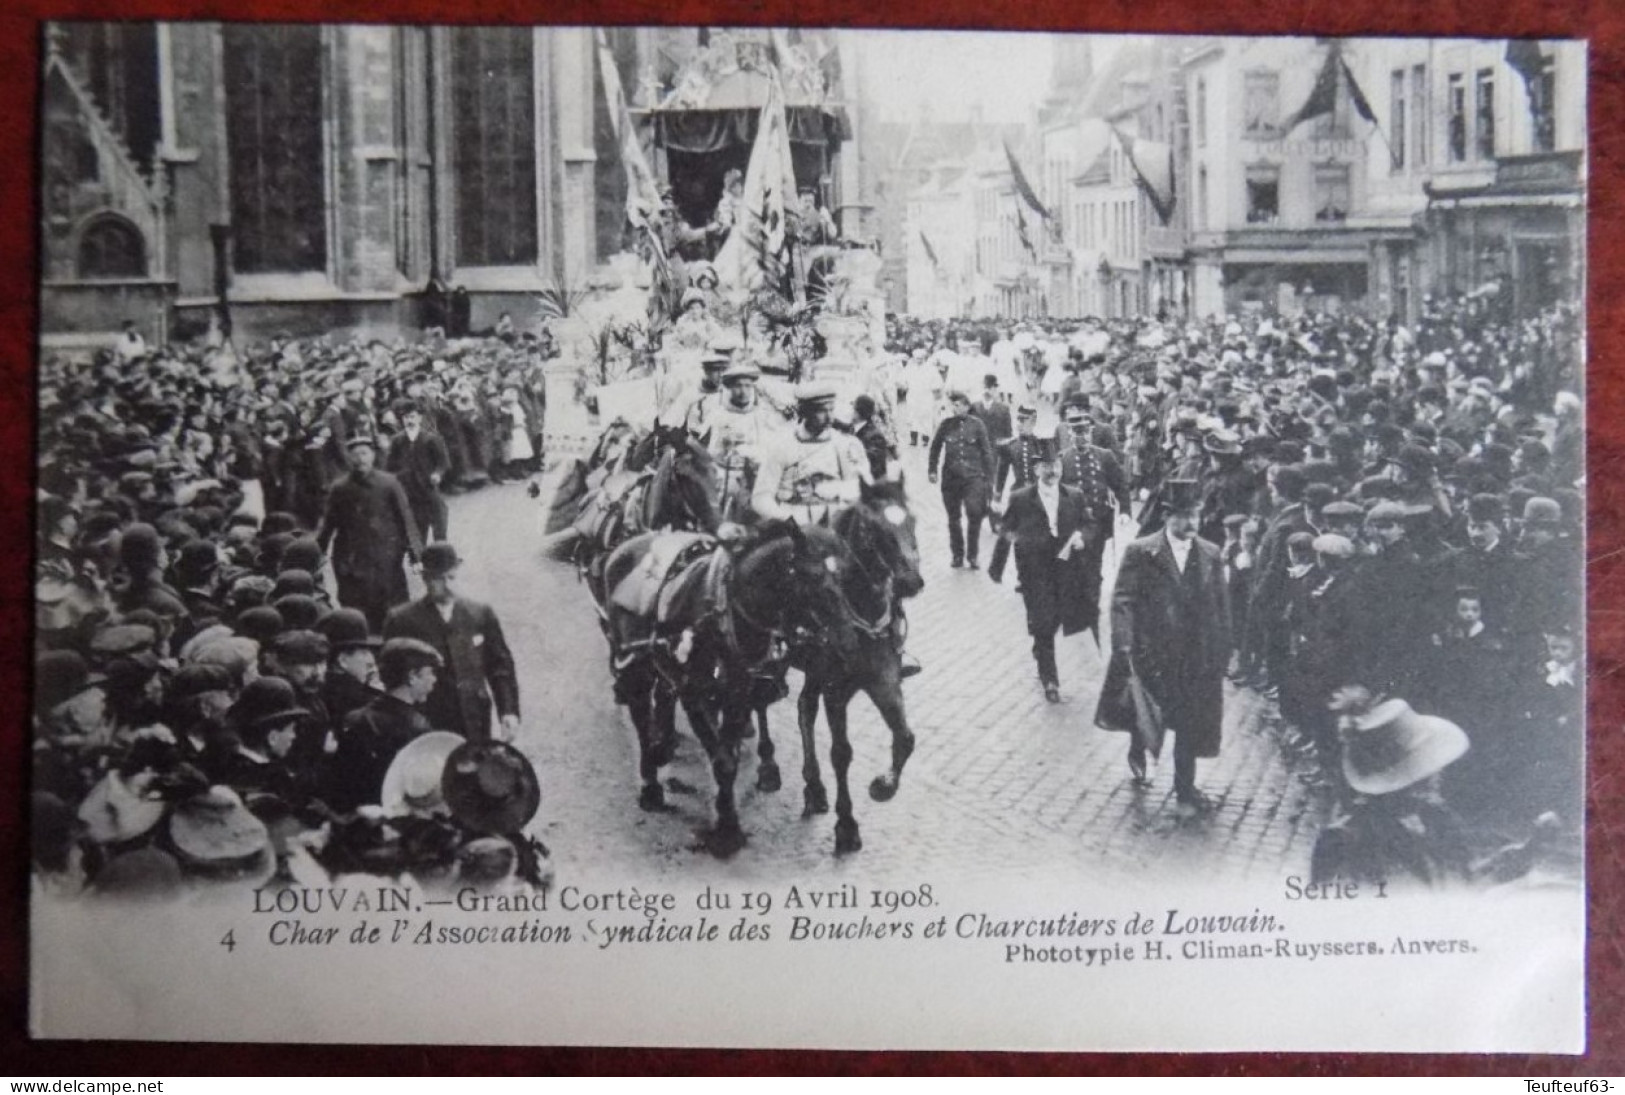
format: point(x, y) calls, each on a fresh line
point(1038, 540)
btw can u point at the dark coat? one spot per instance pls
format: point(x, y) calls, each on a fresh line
point(368, 528)
point(1175, 630)
point(418, 464)
point(1058, 593)
point(371, 738)
point(962, 446)
point(995, 418)
point(479, 668)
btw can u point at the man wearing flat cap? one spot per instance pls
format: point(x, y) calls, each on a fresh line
point(477, 671)
point(373, 735)
point(369, 533)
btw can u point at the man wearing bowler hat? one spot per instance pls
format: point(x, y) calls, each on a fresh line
point(1171, 632)
point(479, 668)
point(369, 532)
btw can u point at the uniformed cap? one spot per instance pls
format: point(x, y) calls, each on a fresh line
point(1026, 410)
point(301, 647)
point(815, 392)
point(741, 370)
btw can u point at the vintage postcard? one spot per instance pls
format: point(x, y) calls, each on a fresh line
point(714, 536)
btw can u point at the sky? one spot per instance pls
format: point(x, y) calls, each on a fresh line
point(1007, 73)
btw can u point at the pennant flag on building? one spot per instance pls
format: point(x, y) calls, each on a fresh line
point(1362, 105)
point(756, 253)
point(1153, 165)
point(1525, 57)
point(1021, 231)
point(930, 252)
point(1023, 187)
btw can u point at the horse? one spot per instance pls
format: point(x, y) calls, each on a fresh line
point(709, 635)
point(665, 479)
point(880, 566)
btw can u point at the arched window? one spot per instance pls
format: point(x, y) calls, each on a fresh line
point(493, 133)
point(111, 247)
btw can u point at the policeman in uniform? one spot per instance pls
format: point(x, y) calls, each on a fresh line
point(966, 455)
point(741, 427)
point(1018, 465)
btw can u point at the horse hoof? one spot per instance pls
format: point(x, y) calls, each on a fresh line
point(767, 778)
point(847, 839)
point(723, 842)
point(882, 789)
point(814, 800)
point(652, 797)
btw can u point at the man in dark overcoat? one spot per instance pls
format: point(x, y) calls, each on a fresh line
point(479, 668)
point(418, 458)
point(1171, 631)
point(368, 531)
point(1051, 527)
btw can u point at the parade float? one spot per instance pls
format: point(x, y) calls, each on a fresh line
point(777, 280)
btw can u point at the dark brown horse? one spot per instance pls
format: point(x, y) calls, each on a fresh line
point(711, 638)
point(880, 567)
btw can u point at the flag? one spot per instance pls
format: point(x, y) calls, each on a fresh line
point(1023, 187)
point(642, 195)
point(1323, 96)
point(1362, 105)
point(1021, 231)
point(1525, 57)
point(756, 253)
point(930, 252)
point(1153, 165)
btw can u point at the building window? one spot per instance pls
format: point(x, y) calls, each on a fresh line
point(1396, 120)
point(493, 142)
point(1263, 194)
point(1201, 198)
point(1542, 104)
point(1201, 112)
point(274, 146)
point(1419, 115)
point(1484, 116)
point(1457, 92)
point(111, 247)
point(1262, 105)
point(1332, 193)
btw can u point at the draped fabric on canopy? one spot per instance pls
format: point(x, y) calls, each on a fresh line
point(704, 131)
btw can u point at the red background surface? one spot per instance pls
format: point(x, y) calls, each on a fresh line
point(1602, 21)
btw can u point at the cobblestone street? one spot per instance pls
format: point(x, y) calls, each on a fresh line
point(1001, 783)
